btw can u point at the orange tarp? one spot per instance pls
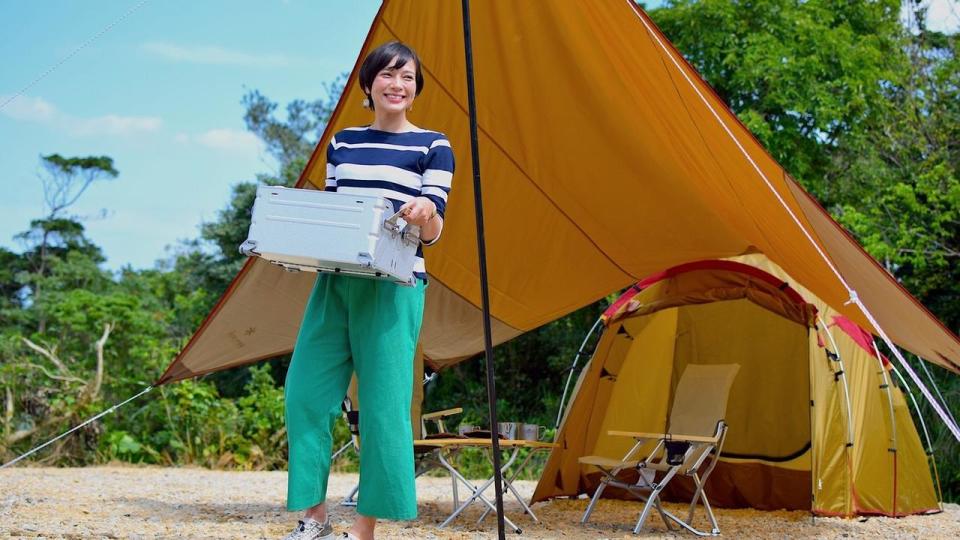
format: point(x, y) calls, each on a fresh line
point(602, 162)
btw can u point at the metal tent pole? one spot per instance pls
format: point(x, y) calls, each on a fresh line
point(482, 254)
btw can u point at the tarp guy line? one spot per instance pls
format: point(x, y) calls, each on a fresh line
point(64, 434)
point(853, 294)
point(72, 54)
point(933, 383)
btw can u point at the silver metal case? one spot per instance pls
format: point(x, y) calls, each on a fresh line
point(323, 231)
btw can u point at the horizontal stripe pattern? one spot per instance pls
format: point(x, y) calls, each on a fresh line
point(396, 166)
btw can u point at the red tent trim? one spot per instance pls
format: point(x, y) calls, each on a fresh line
point(710, 264)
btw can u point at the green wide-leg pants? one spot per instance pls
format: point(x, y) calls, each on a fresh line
point(371, 327)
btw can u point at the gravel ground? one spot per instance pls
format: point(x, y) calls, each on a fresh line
point(153, 502)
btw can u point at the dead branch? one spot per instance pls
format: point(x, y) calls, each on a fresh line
point(50, 354)
point(21, 434)
point(7, 411)
point(52, 376)
point(101, 343)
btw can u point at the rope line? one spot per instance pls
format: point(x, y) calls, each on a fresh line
point(854, 297)
point(64, 434)
point(933, 382)
point(63, 60)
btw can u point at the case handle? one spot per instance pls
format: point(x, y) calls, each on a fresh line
point(410, 234)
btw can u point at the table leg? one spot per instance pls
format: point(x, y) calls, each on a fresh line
point(477, 494)
point(509, 486)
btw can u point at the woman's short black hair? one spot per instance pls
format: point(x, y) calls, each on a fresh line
point(380, 58)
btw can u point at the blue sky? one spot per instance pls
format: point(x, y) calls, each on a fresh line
point(160, 94)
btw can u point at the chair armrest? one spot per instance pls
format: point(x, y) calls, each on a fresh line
point(442, 414)
point(665, 436)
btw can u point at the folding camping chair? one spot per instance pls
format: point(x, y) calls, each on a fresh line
point(696, 431)
point(426, 458)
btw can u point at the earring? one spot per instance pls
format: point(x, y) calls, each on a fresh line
point(366, 103)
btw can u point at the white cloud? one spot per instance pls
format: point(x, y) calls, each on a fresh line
point(31, 109)
point(942, 15)
point(228, 140)
point(112, 124)
point(214, 55)
point(41, 111)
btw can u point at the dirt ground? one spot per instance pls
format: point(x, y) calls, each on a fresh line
point(152, 502)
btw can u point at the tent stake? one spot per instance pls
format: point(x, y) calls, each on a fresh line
point(482, 254)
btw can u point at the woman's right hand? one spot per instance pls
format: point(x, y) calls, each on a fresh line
point(418, 211)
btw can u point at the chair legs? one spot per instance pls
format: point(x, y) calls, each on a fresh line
point(651, 500)
point(687, 524)
point(643, 489)
point(597, 493)
point(351, 498)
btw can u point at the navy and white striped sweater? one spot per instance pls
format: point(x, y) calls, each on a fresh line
point(396, 166)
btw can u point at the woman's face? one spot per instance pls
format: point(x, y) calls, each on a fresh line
point(394, 88)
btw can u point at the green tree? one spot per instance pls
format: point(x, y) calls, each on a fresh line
point(291, 140)
point(66, 179)
point(802, 76)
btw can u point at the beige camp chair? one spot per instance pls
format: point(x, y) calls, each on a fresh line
point(696, 430)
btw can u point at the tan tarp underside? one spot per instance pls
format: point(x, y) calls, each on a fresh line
point(447, 325)
point(601, 165)
point(627, 386)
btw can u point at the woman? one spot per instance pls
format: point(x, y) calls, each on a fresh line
point(364, 325)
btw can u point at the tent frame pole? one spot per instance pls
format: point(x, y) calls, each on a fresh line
point(884, 376)
point(482, 255)
point(932, 462)
point(848, 498)
point(572, 369)
point(811, 418)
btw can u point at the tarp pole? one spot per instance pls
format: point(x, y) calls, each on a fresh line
point(482, 255)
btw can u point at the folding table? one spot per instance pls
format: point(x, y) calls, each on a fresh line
point(508, 445)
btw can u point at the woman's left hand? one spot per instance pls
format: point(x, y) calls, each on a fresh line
point(418, 211)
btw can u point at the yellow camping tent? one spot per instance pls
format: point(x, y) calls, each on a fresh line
point(815, 422)
point(624, 148)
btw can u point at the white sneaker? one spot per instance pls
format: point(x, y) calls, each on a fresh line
point(311, 529)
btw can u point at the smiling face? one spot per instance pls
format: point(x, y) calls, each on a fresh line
point(394, 87)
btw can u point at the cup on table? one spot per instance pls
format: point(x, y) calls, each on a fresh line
point(532, 432)
point(509, 430)
point(463, 429)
